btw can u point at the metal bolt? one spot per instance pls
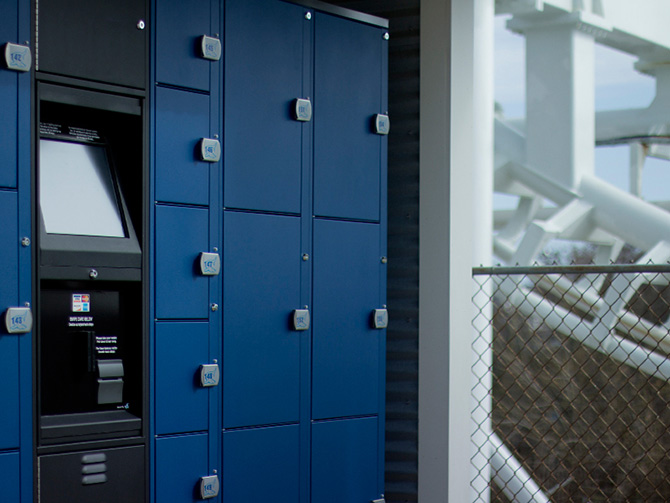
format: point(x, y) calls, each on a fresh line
point(26, 304)
point(215, 307)
point(141, 24)
point(384, 306)
point(214, 471)
point(215, 360)
point(93, 274)
point(384, 260)
point(306, 307)
point(25, 242)
point(305, 257)
point(387, 36)
point(308, 15)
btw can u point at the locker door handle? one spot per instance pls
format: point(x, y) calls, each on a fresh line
point(301, 319)
point(210, 48)
point(380, 318)
point(209, 487)
point(302, 109)
point(18, 57)
point(18, 320)
point(382, 124)
point(209, 375)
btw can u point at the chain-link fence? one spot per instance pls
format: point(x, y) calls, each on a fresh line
point(572, 384)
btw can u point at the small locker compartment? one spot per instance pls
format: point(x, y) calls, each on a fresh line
point(261, 347)
point(182, 120)
point(182, 234)
point(94, 39)
point(345, 461)
point(182, 403)
point(8, 98)
point(264, 62)
point(180, 26)
point(9, 476)
point(345, 349)
point(101, 476)
point(261, 465)
point(180, 465)
point(348, 80)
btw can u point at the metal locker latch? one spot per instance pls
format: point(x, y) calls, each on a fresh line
point(18, 320)
point(209, 487)
point(301, 319)
point(18, 57)
point(381, 500)
point(380, 318)
point(382, 124)
point(210, 48)
point(209, 375)
point(210, 264)
point(302, 110)
point(210, 150)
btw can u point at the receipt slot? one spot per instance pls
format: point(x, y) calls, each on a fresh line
point(89, 309)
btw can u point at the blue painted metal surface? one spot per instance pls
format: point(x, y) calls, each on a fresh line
point(181, 234)
point(261, 366)
point(261, 464)
point(179, 26)
point(344, 461)
point(8, 98)
point(180, 461)
point(181, 403)
point(263, 64)
point(9, 344)
point(9, 477)
point(182, 119)
point(346, 364)
point(347, 94)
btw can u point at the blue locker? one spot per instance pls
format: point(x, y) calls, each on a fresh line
point(345, 347)
point(181, 404)
point(344, 461)
point(179, 463)
point(182, 119)
point(261, 354)
point(8, 98)
point(9, 477)
point(9, 344)
point(262, 149)
point(181, 235)
point(179, 26)
point(261, 465)
point(347, 95)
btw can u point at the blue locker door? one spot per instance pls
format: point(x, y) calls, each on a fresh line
point(261, 354)
point(344, 461)
point(347, 95)
point(9, 344)
point(179, 463)
point(9, 477)
point(264, 65)
point(262, 465)
point(8, 100)
point(179, 26)
point(345, 364)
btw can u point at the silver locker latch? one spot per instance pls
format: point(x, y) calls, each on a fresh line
point(18, 320)
point(301, 319)
point(380, 318)
point(210, 150)
point(210, 48)
point(382, 124)
point(302, 110)
point(209, 375)
point(210, 264)
point(18, 57)
point(209, 487)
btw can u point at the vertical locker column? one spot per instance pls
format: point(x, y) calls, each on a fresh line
point(349, 204)
point(265, 321)
point(15, 260)
point(186, 257)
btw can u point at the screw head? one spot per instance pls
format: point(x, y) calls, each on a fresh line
point(384, 260)
point(141, 24)
point(305, 257)
point(93, 274)
point(387, 36)
point(308, 15)
point(25, 242)
point(214, 307)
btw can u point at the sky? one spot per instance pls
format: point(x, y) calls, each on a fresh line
point(618, 86)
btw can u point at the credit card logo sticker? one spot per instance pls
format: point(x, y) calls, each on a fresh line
point(81, 303)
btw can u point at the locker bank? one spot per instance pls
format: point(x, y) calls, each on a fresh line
point(192, 251)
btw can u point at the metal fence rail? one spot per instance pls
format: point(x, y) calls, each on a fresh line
point(571, 385)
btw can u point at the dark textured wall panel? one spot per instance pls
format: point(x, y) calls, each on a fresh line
point(403, 244)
